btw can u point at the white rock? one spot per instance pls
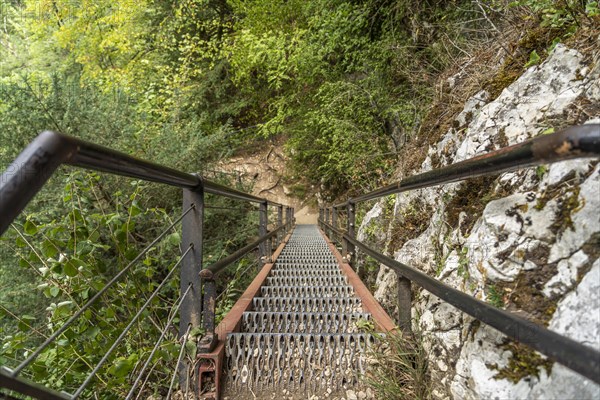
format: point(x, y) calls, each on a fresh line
point(567, 320)
point(566, 276)
point(351, 395)
point(511, 236)
point(586, 220)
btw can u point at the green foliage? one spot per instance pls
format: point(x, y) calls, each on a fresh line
point(559, 14)
point(494, 297)
point(534, 59)
point(74, 256)
point(400, 370)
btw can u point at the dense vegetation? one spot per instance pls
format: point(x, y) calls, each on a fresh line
point(345, 83)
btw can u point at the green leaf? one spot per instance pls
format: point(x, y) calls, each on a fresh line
point(70, 268)
point(121, 367)
point(174, 239)
point(197, 331)
point(49, 250)
point(54, 291)
point(30, 228)
point(548, 131)
point(191, 349)
point(25, 323)
point(534, 58)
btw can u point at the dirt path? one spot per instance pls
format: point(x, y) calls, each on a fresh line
point(266, 170)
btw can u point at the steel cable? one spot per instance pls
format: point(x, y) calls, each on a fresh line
point(127, 328)
point(87, 305)
point(158, 342)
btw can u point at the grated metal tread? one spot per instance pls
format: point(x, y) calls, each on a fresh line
point(307, 304)
point(316, 281)
point(303, 333)
point(307, 291)
point(292, 322)
point(268, 361)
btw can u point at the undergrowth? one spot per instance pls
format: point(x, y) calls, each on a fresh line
point(399, 368)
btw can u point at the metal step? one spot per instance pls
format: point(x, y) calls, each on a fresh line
point(305, 272)
point(268, 361)
point(291, 304)
point(307, 281)
point(304, 333)
point(297, 266)
point(289, 322)
point(307, 291)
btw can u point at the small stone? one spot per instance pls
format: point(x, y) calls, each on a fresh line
point(362, 395)
point(351, 395)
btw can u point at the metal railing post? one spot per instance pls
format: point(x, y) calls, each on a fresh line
point(262, 229)
point(348, 248)
point(334, 215)
point(404, 304)
point(191, 235)
point(280, 235)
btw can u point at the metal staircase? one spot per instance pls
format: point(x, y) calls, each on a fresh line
point(302, 335)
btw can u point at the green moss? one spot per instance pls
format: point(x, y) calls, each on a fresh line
point(471, 198)
point(524, 362)
point(495, 296)
point(566, 208)
point(410, 222)
point(538, 40)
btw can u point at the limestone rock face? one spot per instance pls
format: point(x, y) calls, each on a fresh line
point(532, 247)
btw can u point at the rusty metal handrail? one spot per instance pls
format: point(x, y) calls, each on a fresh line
point(575, 142)
point(36, 164)
point(26, 175)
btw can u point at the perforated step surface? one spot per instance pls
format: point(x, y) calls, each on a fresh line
point(305, 332)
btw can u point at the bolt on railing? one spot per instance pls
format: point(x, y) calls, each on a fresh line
point(571, 143)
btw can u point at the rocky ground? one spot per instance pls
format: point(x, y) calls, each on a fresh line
point(526, 241)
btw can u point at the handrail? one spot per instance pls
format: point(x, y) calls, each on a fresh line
point(571, 354)
point(35, 165)
point(575, 142)
point(26, 175)
point(223, 263)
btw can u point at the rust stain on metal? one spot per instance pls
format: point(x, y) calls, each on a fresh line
point(232, 320)
point(206, 274)
point(564, 148)
point(209, 377)
point(380, 317)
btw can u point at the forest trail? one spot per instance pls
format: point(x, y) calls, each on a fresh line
point(266, 170)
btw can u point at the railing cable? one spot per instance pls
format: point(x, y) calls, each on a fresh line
point(181, 351)
point(87, 305)
point(128, 327)
point(158, 342)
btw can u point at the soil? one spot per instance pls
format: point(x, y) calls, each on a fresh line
point(266, 171)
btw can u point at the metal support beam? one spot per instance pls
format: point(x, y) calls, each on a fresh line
point(404, 304)
point(262, 228)
point(334, 218)
point(280, 235)
point(348, 248)
point(191, 234)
